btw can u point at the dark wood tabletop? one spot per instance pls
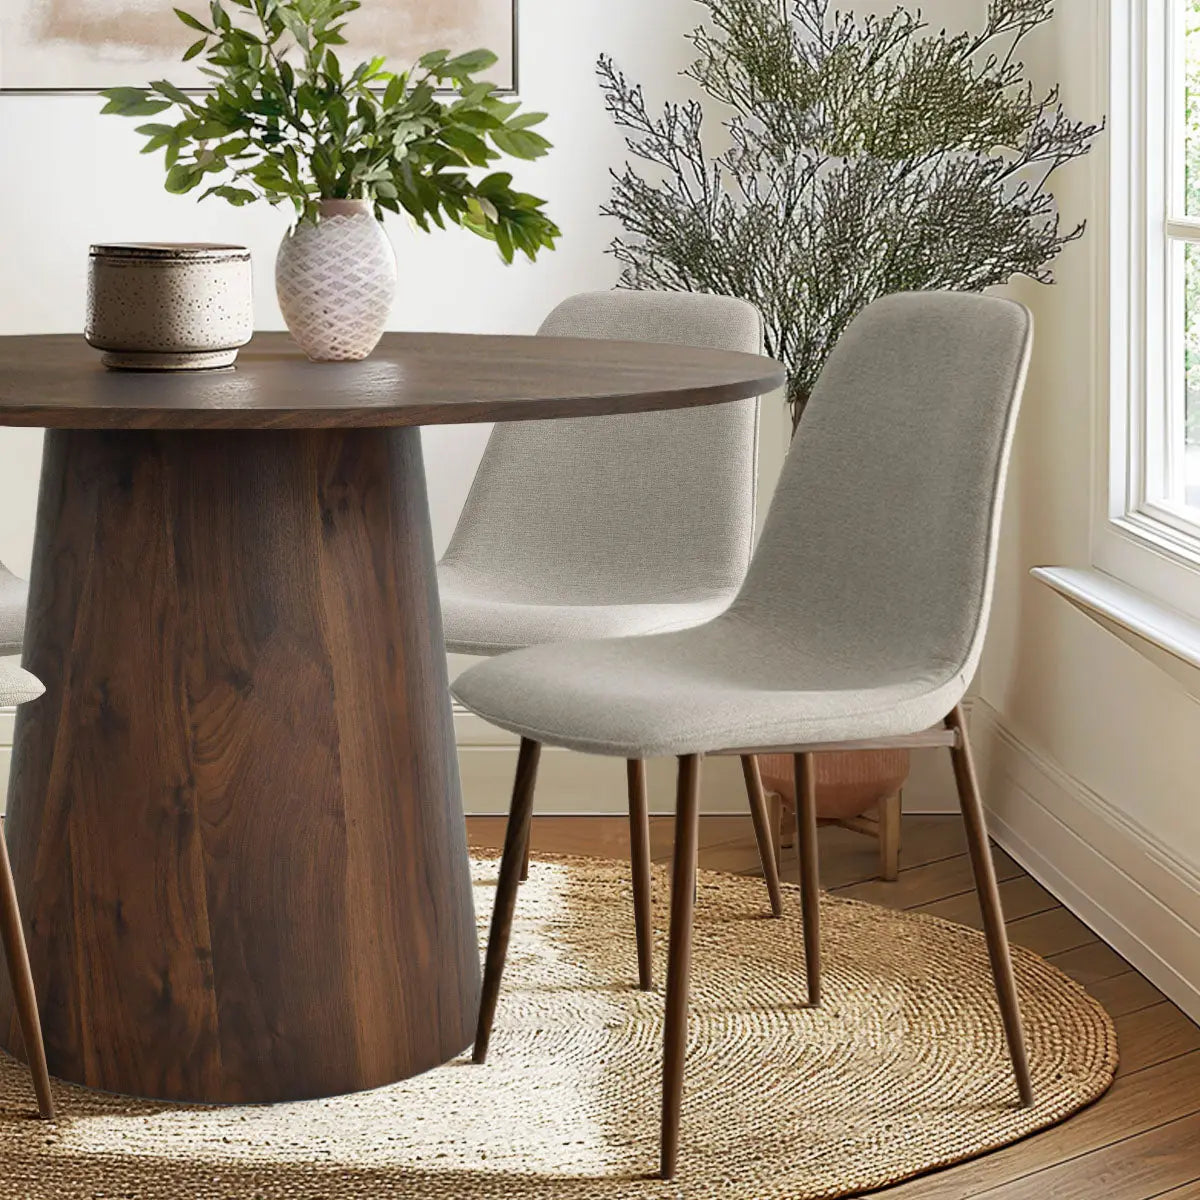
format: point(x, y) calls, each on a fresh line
point(57, 381)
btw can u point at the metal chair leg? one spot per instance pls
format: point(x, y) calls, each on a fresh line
point(810, 879)
point(639, 861)
point(17, 956)
point(516, 843)
point(989, 901)
point(679, 961)
point(767, 852)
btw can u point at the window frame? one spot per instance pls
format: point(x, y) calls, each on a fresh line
point(1146, 542)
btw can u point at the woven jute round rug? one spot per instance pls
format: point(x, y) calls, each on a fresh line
point(902, 1069)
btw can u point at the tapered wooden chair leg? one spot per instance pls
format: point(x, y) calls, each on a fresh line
point(767, 852)
point(889, 837)
point(775, 808)
point(525, 863)
point(639, 861)
point(810, 875)
point(16, 954)
point(989, 901)
point(516, 842)
point(679, 959)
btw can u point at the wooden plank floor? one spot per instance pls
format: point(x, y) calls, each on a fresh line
point(1140, 1141)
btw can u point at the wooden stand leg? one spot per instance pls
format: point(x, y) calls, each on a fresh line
point(767, 852)
point(679, 962)
point(639, 861)
point(516, 843)
point(525, 863)
point(889, 837)
point(775, 809)
point(17, 957)
point(810, 885)
point(989, 901)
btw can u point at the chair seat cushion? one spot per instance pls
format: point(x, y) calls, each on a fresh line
point(478, 618)
point(724, 685)
point(14, 593)
point(16, 685)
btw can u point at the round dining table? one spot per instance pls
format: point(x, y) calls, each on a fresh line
point(235, 819)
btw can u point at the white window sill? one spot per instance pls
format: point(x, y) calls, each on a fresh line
point(1167, 637)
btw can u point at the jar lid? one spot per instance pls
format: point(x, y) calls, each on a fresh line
point(172, 251)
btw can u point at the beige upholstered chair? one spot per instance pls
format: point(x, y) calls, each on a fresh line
point(615, 526)
point(14, 594)
point(19, 687)
point(859, 625)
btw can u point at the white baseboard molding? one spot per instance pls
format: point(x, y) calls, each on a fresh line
point(581, 784)
point(1117, 877)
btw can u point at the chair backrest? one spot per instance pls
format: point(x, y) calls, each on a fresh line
point(17, 686)
point(13, 596)
point(622, 508)
point(881, 540)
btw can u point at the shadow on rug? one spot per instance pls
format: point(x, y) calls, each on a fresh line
point(901, 1070)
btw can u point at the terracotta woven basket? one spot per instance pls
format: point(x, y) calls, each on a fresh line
point(849, 785)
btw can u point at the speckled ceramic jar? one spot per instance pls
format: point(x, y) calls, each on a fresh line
point(169, 307)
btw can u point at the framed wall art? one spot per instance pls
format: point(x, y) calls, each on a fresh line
point(85, 45)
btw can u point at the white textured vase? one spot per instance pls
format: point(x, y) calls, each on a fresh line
point(336, 280)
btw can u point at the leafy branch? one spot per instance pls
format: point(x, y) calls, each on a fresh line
point(864, 156)
point(285, 123)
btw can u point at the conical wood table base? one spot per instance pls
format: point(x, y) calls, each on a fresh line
point(235, 819)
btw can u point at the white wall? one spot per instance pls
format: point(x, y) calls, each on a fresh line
point(1091, 754)
point(69, 177)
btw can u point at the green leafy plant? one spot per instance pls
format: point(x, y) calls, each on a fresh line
point(865, 156)
point(286, 123)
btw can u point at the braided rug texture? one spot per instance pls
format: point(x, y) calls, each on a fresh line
point(902, 1069)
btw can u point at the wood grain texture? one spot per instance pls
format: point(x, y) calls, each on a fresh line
point(1189, 1191)
point(924, 884)
point(1153, 1034)
point(234, 818)
point(1135, 1168)
point(1090, 964)
point(1021, 896)
point(57, 381)
point(1126, 993)
point(1051, 932)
